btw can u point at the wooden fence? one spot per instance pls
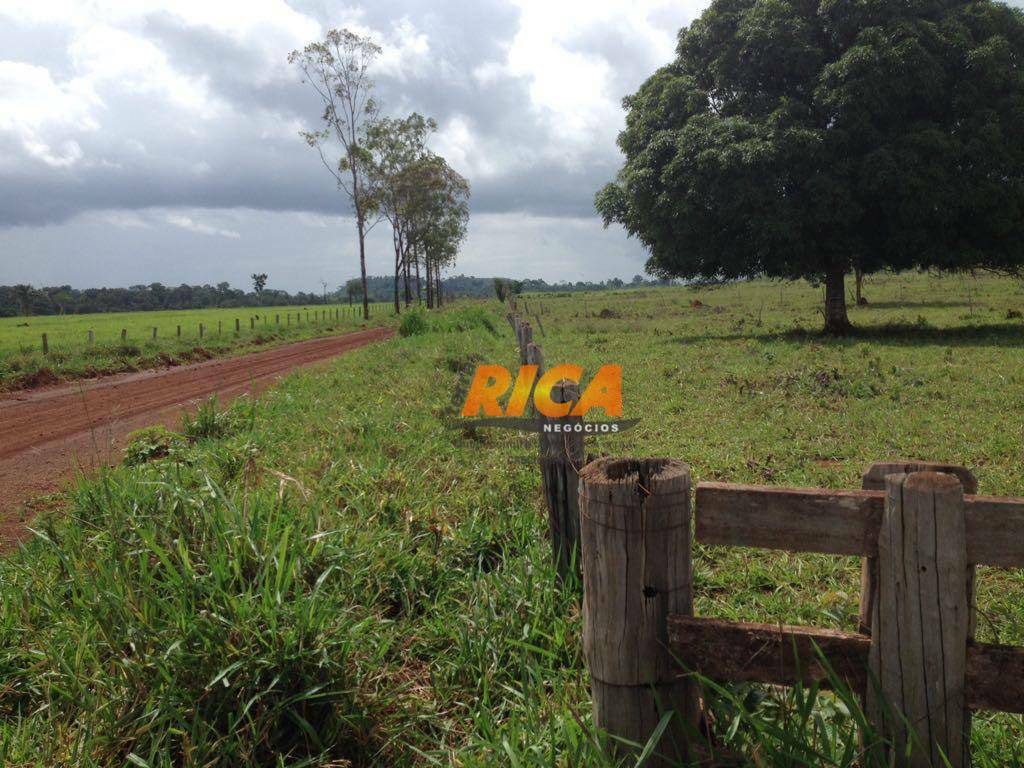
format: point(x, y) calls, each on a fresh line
point(915, 661)
point(561, 454)
point(312, 317)
point(920, 529)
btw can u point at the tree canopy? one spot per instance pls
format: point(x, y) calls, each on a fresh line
point(805, 138)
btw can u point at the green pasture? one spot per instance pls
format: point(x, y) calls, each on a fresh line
point(71, 355)
point(338, 574)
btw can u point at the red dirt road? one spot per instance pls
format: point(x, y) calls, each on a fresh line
point(46, 434)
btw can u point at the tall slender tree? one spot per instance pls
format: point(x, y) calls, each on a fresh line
point(259, 283)
point(397, 145)
point(338, 70)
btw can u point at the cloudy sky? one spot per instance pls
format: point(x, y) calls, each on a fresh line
point(145, 140)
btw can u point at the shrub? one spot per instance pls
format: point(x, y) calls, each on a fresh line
point(145, 445)
point(413, 324)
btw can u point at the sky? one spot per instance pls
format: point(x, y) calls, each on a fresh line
point(158, 140)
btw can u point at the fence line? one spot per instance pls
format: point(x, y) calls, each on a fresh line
point(561, 458)
point(324, 316)
point(919, 527)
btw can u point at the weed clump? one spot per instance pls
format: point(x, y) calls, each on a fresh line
point(149, 444)
point(209, 423)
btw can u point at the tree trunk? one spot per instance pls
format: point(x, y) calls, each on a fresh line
point(437, 283)
point(836, 320)
point(859, 275)
point(416, 260)
point(429, 268)
point(361, 226)
point(405, 271)
point(398, 267)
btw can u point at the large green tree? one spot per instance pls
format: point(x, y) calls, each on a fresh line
point(806, 138)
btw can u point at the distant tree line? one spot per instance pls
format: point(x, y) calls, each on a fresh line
point(64, 300)
point(26, 300)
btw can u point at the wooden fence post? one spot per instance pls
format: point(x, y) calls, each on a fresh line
point(200, 331)
point(873, 479)
point(277, 320)
point(124, 335)
point(525, 339)
point(179, 331)
point(219, 328)
point(921, 623)
point(92, 337)
point(46, 345)
point(562, 458)
point(252, 323)
point(636, 571)
point(238, 326)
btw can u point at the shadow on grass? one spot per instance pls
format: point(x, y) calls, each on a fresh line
point(890, 334)
point(912, 305)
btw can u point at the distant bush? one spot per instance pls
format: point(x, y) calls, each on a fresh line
point(419, 322)
point(412, 324)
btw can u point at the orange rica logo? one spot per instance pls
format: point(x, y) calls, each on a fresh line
point(492, 381)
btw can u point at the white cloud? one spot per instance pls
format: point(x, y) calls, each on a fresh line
point(187, 222)
point(41, 114)
point(111, 59)
point(572, 88)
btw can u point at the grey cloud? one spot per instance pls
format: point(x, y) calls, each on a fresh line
point(280, 172)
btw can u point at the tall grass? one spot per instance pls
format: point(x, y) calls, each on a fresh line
point(333, 575)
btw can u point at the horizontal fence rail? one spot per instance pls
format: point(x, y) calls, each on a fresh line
point(747, 652)
point(842, 522)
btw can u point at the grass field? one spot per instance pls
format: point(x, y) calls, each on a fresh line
point(22, 362)
point(334, 573)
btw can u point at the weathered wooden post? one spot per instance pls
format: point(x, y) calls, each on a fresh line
point(252, 323)
point(154, 333)
point(91, 337)
point(46, 345)
point(201, 329)
point(873, 479)
point(525, 339)
point(562, 457)
point(921, 623)
point(124, 335)
point(238, 326)
point(179, 331)
point(277, 320)
point(219, 328)
point(635, 527)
